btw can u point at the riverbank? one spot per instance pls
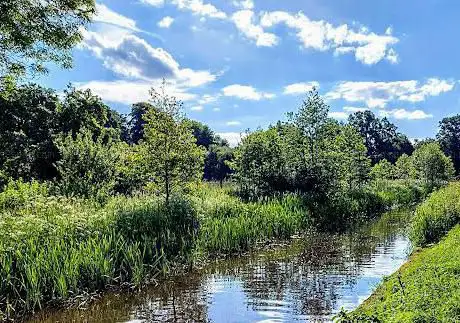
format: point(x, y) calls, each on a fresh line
point(56, 248)
point(427, 287)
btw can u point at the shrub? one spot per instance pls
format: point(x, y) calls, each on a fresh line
point(19, 194)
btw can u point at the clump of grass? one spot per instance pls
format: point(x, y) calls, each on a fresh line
point(426, 289)
point(437, 215)
point(59, 247)
point(395, 193)
point(229, 225)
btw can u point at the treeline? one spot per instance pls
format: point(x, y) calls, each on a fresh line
point(78, 140)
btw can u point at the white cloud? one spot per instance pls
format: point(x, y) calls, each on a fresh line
point(369, 48)
point(197, 108)
point(244, 4)
point(132, 57)
point(300, 88)
point(233, 123)
point(244, 21)
point(405, 114)
point(233, 138)
point(108, 16)
point(155, 3)
point(208, 99)
point(354, 109)
point(216, 109)
point(200, 8)
point(338, 115)
point(166, 22)
point(378, 94)
point(129, 92)
point(246, 92)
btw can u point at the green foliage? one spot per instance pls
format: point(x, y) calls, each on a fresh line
point(19, 194)
point(87, 167)
point(228, 225)
point(60, 247)
point(405, 168)
point(27, 126)
point(81, 109)
point(449, 139)
point(437, 215)
point(35, 32)
point(426, 289)
point(382, 139)
point(217, 163)
point(383, 170)
point(432, 166)
point(174, 160)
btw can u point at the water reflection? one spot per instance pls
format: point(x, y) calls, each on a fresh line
point(308, 280)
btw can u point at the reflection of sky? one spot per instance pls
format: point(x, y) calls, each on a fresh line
point(229, 302)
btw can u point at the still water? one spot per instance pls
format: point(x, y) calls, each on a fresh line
point(309, 279)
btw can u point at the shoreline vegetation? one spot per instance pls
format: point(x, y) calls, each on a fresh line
point(93, 201)
point(426, 288)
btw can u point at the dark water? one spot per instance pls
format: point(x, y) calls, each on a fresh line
point(309, 279)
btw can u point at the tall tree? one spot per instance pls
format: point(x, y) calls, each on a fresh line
point(35, 32)
point(205, 137)
point(382, 139)
point(432, 166)
point(174, 158)
point(82, 109)
point(449, 139)
point(27, 126)
point(137, 121)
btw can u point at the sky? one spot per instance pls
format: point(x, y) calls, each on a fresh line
point(243, 64)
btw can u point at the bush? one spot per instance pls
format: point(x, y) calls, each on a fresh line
point(19, 194)
point(437, 215)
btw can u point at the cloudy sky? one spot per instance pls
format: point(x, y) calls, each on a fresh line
point(241, 64)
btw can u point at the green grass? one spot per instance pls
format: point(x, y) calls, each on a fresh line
point(425, 289)
point(437, 215)
point(54, 248)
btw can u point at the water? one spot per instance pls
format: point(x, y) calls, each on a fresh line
point(310, 279)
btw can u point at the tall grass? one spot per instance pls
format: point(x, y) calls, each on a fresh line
point(437, 215)
point(58, 248)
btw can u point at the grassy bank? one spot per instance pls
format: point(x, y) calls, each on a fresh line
point(55, 248)
point(427, 287)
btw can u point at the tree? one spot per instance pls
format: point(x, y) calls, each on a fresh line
point(82, 109)
point(259, 164)
point(405, 168)
point(35, 32)
point(137, 121)
point(27, 126)
point(216, 164)
point(173, 157)
point(383, 170)
point(382, 139)
point(87, 167)
point(432, 166)
point(449, 139)
point(205, 137)
point(352, 157)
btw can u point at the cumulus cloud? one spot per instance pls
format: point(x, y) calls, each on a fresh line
point(378, 94)
point(244, 4)
point(300, 88)
point(233, 123)
point(166, 22)
point(244, 22)
point(132, 57)
point(108, 16)
point(155, 3)
point(403, 114)
point(197, 108)
point(338, 115)
point(245, 92)
point(129, 92)
point(198, 7)
point(368, 47)
point(233, 138)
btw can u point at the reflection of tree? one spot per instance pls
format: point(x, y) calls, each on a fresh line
point(309, 277)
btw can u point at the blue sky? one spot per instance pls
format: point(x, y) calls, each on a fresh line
point(241, 64)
